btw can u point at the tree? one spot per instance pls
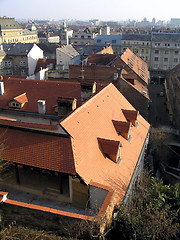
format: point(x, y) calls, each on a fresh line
point(153, 213)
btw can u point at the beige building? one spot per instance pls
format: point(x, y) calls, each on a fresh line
point(139, 44)
point(12, 32)
point(19, 58)
point(85, 37)
point(165, 52)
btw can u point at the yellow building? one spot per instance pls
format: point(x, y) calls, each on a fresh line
point(12, 32)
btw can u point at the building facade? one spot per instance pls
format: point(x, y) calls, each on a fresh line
point(12, 32)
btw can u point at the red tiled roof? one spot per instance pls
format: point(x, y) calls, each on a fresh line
point(39, 90)
point(100, 59)
point(38, 150)
point(94, 120)
point(43, 63)
point(105, 73)
point(135, 63)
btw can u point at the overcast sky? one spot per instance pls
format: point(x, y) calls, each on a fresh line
point(91, 9)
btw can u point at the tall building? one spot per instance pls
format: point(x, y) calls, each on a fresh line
point(12, 32)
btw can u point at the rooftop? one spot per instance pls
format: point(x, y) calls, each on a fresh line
point(38, 90)
point(35, 148)
point(94, 120)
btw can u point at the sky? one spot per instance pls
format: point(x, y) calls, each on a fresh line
point(107, 10)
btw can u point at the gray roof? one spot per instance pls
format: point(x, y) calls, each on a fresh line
point(136, 37)
point(68, 50)
point(175, 37)
point(17, 48)
point(9, 23)
point(87, 49)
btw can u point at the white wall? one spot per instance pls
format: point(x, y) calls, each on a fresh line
point(34, 54)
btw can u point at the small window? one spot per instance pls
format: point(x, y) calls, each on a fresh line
point(176, 52)
point(176, 60)
point(156, 59)
point(113, 41)
point(165, 59)
point(156, 51)
point(98, 40)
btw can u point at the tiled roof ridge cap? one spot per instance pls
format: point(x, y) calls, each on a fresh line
point(14, 122)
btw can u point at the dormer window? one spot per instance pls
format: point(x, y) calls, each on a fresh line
point(123, 128)
point(110, 149)
point(19, 101)
point(131, 116)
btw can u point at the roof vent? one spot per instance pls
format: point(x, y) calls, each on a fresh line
point(41, 106)
point(110, 148)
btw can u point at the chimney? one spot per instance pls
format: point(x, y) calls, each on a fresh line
point(1, 88)
point(115, 76)
point(41, 106)
point(66, 105)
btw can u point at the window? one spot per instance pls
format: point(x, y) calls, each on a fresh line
point(22, 63)
point(146, 58)
point(113, 41)
point(7, 63)
point(156, 51)
point(98, 40)
point(8, 72)
point(23, 72)
point(135, 51)
point(15, 105)
point(76, 36)
point(176, 60)
point(82, 36)
point(89, 36)
point(176, 52)
point(142, 50)
point(165, 59)
point(166, 52)
point(156, 59)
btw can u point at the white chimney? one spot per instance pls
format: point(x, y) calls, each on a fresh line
point(1, 88)
point(41, 106)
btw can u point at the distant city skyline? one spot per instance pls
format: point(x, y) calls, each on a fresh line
point(114, 10)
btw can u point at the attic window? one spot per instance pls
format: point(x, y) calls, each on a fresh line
point(19, 101)
point(123, 128)
point(131, 116)
point(110, 149)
